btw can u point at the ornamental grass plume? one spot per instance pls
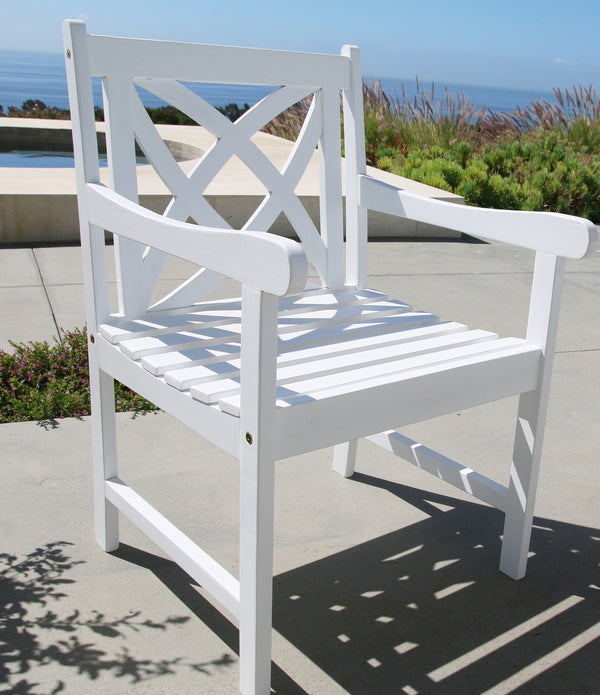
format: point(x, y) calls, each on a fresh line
point(39, 381)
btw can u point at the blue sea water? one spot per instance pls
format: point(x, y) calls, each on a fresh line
point(32, 75)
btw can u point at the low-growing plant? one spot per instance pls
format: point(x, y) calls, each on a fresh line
point(541, 172)
point(40, 381)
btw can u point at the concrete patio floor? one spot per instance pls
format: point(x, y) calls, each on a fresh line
point(385, 583)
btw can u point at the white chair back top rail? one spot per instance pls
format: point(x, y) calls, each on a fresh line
point(189, 62)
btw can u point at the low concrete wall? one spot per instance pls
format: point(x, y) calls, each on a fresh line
point(28, 137)
point(40, 205)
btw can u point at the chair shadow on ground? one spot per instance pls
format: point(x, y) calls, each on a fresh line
point(426, 610)
point(421, 610)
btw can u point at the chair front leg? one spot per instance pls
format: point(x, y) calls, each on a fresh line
point(524, 474)
point(257, 449)
point(531, 418)
point(256, 567)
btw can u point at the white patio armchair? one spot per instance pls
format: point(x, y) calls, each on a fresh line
point(290, 367)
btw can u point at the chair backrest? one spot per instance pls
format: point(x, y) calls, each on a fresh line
point(160, 67)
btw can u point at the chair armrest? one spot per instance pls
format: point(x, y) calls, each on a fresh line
point(264, 261)
point(554, 233)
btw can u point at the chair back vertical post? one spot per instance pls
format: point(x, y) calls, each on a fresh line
point(354, 153)
point(330, 187)
point(87, 170)
point(85, 149)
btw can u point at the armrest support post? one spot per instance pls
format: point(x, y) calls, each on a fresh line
point(531, 417)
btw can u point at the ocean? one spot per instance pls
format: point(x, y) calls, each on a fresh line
point(32, 75)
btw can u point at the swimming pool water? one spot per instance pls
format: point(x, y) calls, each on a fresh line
point(46, 159)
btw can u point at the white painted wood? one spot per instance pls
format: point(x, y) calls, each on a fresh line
point(531, 417)
point(390, 402)
point(355, 163)
point(562, 235)
point(217, 323)
point(344, 458)
point(209, 422)
point(295, 326)
point(281, 196)
point(358, 346)
point(118, 97)
point(222, 64)
point(261, 260)
point(104, 448)
point(188, 291)
point(287, 368)
point(185, 203)
point(171, 352)
point(443, 468)
point(196, 562)
point(290, 354)
point(104, 452)
point(348, 366)
point(330, 187)
point(85, 149)
point(79, 82)
point(257, 458)
point(219, 125)
point(336, 381)
point(234, 138)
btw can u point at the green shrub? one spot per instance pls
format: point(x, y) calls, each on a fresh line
point(170, 114)
point(39, 381)
point(542, 171)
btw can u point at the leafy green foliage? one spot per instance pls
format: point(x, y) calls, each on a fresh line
point(39, 381)
point(36, 108)
point(169, 114)
point(541, 171)
point(542, 157)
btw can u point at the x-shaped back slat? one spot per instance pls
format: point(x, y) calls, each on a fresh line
point(232, 139)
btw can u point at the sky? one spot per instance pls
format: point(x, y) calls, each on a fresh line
point(530, 44)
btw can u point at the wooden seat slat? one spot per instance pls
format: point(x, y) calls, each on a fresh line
point(187, 336)
point(323, 343)
point(322, 389)
point(319, 365)
point(311, 384)
point(214, 313)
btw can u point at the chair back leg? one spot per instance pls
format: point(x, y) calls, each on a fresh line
point(104, 454)
point(344, 458)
